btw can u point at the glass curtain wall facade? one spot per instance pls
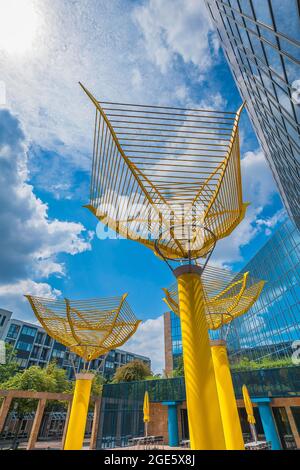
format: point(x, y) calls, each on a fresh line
point(271, 326)
point(261, 41)
point(33, 346)
point(176, 338)
point(268, 330)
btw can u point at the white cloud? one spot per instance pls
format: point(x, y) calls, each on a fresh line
point(104, 45)
point(30, 240)
point(149, 341)
point(181, 93)
point(98, 43)
point(258, 183)
point(136, 79)
point(176, 27)
point(270, 223)
point(39, 289)
point(259, 189)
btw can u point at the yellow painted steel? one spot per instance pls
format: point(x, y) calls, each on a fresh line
point(79, 411)
point(146, 411)
point(229, 412)
point(146, 408)
point(248, 405)
point(157, 160)
point(175, 168)
point(89, 328)
point(228, 295)
point(204, 416)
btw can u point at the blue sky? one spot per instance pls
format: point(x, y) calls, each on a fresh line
point(131, 51)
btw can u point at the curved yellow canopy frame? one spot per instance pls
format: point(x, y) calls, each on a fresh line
point(227, 295)
point(89, 328)
point(167, 174)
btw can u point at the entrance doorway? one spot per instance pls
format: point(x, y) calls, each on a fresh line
point(184, 425)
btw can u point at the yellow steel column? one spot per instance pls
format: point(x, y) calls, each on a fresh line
point(79, 411)
point(204, 416)
point(229, 412)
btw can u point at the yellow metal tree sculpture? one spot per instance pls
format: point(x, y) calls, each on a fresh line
point(150, 163)
point(89, 328)
point(227, 296)
point(170, 178)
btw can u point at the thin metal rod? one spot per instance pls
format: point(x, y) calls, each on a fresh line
point(166, 107)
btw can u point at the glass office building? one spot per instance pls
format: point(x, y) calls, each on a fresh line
point(176, 338)
point(272, 325)
point(261, 41)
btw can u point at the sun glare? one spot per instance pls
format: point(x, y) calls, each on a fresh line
point(18, 25)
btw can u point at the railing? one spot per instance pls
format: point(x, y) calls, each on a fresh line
point(159, 390)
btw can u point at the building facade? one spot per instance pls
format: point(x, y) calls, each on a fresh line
point(33, 346)
point(274, 392)
point(173, 341)
point(5, 316)
point(261, 41)
point(271, 329)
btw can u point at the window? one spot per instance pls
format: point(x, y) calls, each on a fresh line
point(3, 318)
point(44, 354)
point(245, 425)
point(58, 353)
point(286, 17)
point(22, 362)
point(109, 365)
point(35, 352)
point(48, 340)
point(13, 331)
point(39, 337)
point(296, 415)
point(184, 424)
point(283, 427)
point(22, 346)
point(27, 330)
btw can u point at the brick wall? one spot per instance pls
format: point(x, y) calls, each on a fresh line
point(158, 425)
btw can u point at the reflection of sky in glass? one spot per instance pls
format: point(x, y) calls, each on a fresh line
point(273, 323)
point(262, 42)
point(286, 15)
point(275, 318)
point(262, 12)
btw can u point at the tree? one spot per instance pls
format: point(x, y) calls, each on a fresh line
point(133, 371)
point(97, 384)
point(35, 378)
point(179, 369)
point(50, 379)
point(11, 367)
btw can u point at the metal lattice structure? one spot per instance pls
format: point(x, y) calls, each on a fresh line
point(227, 295)
point(171, 172)
point(89, 328)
